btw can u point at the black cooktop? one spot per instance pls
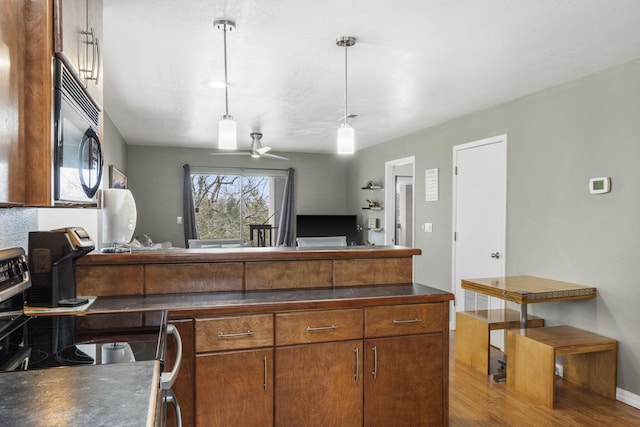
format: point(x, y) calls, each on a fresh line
point(28, 343)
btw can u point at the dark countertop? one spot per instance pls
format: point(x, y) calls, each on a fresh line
point(103, 395)
point(247, 254)
point(272, 300)
point(122, 394)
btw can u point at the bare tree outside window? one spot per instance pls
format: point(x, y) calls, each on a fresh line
point(227, 204)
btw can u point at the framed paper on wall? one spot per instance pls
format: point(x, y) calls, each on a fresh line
point(117, 179)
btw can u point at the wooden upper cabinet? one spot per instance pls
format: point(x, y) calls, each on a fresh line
point(94, 26)
point(70, 18)
point(77, 41)
point(11, 80)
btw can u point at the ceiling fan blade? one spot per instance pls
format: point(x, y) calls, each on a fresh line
point(231, 153)
point(263, 149)
point(274, 156)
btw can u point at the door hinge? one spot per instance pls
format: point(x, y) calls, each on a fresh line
point(455, 171)
point(455, 236)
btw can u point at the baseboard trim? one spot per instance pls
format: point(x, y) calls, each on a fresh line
point(628, 398)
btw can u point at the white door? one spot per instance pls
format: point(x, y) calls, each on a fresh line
point(479, 219)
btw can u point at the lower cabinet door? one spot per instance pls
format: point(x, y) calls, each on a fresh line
point(319, 385)
point(234, 388)
point(403, 384)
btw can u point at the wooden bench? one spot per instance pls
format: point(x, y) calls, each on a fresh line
point(589, 360)
point(473, 331)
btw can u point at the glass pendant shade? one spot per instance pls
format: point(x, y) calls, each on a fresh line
point(227, 133)
point(346, 143)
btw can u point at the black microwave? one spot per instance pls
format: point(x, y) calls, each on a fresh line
point(78, 152)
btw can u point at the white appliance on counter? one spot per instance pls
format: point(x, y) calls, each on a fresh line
point(119, 218)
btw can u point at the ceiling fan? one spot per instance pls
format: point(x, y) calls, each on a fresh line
point(257, 150)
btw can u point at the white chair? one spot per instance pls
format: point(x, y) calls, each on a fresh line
point(321, 241)
point(222, 243)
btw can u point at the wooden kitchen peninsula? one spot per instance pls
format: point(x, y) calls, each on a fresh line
point(242, 269)
point(271, 336)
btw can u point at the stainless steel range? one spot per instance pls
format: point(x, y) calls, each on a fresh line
point(64, 341)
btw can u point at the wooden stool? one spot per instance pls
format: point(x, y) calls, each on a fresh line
point(589, 360)
point(473, 330)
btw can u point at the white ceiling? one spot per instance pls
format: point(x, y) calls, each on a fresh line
point(416, 63)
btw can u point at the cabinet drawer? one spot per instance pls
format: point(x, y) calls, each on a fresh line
point(318, 326)
point(403, 320)
point(227, 333)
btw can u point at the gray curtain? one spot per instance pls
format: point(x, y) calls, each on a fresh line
point(285, 226)
point(188, 209)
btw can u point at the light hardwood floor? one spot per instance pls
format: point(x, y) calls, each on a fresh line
point(476, 400)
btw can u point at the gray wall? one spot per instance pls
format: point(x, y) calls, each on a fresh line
point(557, 140)
point(114, 149)
point(156, 175)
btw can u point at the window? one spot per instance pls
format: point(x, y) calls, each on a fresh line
point(226, 204)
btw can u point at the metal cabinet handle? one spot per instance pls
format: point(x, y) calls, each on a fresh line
point(96, 78)
point(416, 320)
point(495, 255)
point(264, 383)
point(92, 73)
point(375, 362)
point(239, 334)
point(321, 328)
point(90, 40)
point(357, 353)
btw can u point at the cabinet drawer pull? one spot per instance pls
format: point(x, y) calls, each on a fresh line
point(357, 352)
point(416, 320)
point(321, 328)
point(264, 383)
point(375, 362)
point(239, 334)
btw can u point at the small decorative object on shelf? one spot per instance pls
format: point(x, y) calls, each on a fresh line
point(373, 222)
point(373, 205)
point(371, 185)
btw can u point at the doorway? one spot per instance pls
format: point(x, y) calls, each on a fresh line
point(403, 210)
point(398, 204)
point(479, 220)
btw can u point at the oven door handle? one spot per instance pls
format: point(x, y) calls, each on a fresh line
point(170, 397)
point(168, 378)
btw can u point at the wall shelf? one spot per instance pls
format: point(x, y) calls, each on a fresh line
point(373, 209)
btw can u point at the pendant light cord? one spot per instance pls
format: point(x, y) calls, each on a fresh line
point(226, 83)
point(345, 84)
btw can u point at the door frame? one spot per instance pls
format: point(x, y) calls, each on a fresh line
point(390, 198)
point(456, 149)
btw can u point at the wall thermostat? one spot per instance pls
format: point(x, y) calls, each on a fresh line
point(600, 185)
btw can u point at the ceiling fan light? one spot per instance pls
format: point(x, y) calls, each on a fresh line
point(346, 139)
point(227, 133)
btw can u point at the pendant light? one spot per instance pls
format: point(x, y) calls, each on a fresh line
point(346, 143)
point(227, 129)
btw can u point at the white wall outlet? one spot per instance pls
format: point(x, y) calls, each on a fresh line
point(427, 227)
point(179, 220)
